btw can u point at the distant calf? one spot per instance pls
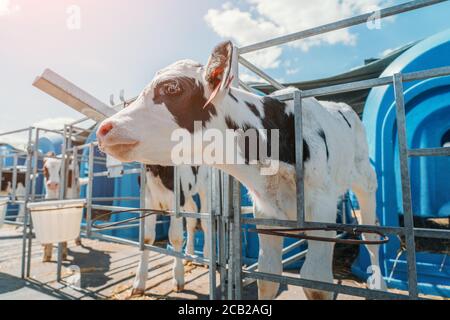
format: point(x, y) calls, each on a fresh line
point(52, 180)
point(6, 189)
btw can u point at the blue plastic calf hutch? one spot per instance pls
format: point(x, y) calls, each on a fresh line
point(427, 105)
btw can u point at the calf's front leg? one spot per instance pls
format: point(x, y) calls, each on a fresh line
point(142, 269)
point(270, 251)
point(176, 240)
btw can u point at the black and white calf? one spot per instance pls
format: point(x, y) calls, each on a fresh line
point(335, 151)
point(159, 195)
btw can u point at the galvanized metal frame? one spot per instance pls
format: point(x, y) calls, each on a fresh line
point(409, 231)
point(224, 203)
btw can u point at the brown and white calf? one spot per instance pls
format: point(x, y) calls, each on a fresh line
point(6, 189)
point(52, 180)
point(335, 151)
point(159, 195)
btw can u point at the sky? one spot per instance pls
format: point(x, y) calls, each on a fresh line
point(104, 46)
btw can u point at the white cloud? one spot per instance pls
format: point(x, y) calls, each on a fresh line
point(268, 19)
point(250, 78)
point(54, 123)
point(292, 71)
point(7, 8)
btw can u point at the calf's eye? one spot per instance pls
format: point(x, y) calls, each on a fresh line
point(172, 89)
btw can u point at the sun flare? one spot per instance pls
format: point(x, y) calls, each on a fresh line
point(7, 7)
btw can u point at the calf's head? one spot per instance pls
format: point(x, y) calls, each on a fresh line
point(52, 167)
point(179, 95)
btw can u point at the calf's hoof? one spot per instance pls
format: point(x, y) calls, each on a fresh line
point(46, 259)
point(178, 287)
point(318, 295)
point(137, 292)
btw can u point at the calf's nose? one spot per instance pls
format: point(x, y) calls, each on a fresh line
point(104, 129)
point(52, 185)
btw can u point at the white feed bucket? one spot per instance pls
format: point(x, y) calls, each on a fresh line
point(57, 221)
point(3, 208)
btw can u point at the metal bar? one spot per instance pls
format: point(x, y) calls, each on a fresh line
point(49, 130)
point(406, 186)
point(222, 238)
point(14, 178)
point(27, 224)
point(168, 213)
point(366, 84)
point(245, 86)
point(124, 173)
point(143, 205)
point(159, 250)
point(177, 192)
point(105, 199)
point(237, 244)
point(260, 73)
point(62, 194)
point(13, 132)
point(35, 165)
point(128, 226)
point(325, 286)
point(89, 190)
point(75, 168)
point(432, 152)
point(229, 234)
point(345, 23)
point(420, 232)
point(213, 238)
point(299, 158)
point(347, 228)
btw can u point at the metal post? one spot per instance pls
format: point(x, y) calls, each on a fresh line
point(176, 184)
point(62, 193)
point(26, 220)
point(35, 165)
point(212, 201)
point(237, 244)
point(406, 186)
point(222, 235)
point(89, 190)
point(143, 204)
point(299, 158)
point(14, 178)
point(228, 214)
point(75, 169)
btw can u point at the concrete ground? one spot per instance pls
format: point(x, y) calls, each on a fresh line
point(107, 272)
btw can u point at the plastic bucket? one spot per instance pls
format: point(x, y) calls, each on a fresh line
point(3, 208)
point(57, 221)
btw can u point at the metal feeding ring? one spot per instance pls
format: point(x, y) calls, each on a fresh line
point(149, 212)
point(301, 235)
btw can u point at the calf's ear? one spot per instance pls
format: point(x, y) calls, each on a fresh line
point(218, 73)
